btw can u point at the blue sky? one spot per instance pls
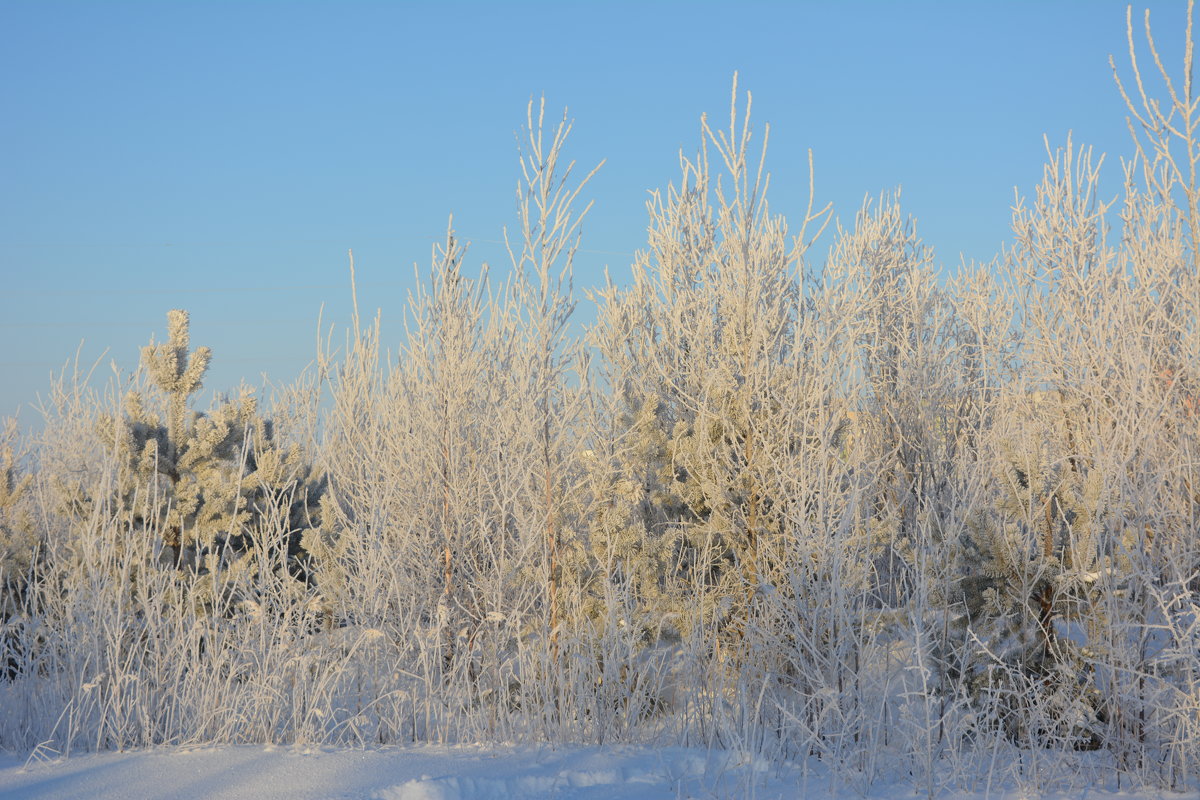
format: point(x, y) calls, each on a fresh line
point(222, 157)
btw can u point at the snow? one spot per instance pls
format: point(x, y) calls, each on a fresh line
point(447, 773)
point(421, 773)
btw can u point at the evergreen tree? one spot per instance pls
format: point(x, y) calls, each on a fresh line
point(1038, 562)
point(714, 347)
point(19, 537)
point(20, 542)
point(629, 556)
point(221, 493)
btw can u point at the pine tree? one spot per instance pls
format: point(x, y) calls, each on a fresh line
point(1035, 566)
point(219, 490)
point(710, 371)
point(20, 543)
point(19, 536)
point(629, 558)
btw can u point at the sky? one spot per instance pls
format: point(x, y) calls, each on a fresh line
point(224, 157)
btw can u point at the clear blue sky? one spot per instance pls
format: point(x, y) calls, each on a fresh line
point(222, 157)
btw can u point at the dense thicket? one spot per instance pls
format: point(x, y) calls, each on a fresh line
point(846, 509)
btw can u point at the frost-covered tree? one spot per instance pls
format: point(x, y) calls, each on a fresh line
point(427, 428)
point(634, 538)
point(702, 347)
point(1031, 600)
point(20, 540)
point(444, 372)
point(219, 490)
point(19, 536)
point(1091, 512)
point(545, 431)
point(912, 353)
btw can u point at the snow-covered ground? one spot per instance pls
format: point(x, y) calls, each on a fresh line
point(444, 773)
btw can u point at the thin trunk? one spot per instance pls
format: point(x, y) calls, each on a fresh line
point(447, 540)
point(750, 568)
point(1046, 598)
point(551, 543)
point(448, 555)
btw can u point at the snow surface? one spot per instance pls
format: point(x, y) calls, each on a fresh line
point(441, 773)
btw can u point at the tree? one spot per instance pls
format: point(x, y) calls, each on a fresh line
point(225, 498)
point(711, 324)
point(545, 352)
